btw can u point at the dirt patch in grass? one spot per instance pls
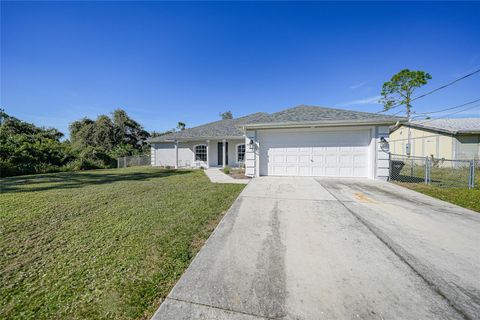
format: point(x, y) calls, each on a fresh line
point(236, 173)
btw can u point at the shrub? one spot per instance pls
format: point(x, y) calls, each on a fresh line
point(226, 170)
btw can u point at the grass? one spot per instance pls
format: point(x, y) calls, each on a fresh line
point(444, 187)
point(106, 244)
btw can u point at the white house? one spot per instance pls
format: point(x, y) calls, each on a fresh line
point(300, 141)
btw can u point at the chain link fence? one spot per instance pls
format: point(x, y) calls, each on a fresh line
point(132, 161)
point(429, 170)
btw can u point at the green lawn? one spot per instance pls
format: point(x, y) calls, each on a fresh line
point(101, 244)
point(464, 197)
point(467, 198)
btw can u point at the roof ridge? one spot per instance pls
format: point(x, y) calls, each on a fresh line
point(328, 108)
point(221, 120)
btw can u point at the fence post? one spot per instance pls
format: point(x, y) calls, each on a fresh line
point(411, 168)
point(426, 170)
point(389, 166)
point(471, 176)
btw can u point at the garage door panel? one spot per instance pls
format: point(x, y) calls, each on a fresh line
point(359, 159)
point(291, 158)
point(345, 172)
point(279, 170)
point(291, 171)
point(317, 159)
point(304, 159)
point(335, 154)
point(360, 172)
point(318, 171)
point(331, 171)
point(345, 159)
point(331, 159)
point(304, 171)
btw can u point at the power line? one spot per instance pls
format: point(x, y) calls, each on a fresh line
point(451, 108)
point(452, 113)
point(436, 89)
point(446, 85)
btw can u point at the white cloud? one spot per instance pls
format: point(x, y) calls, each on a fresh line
point(369, 100)
point(358, 85)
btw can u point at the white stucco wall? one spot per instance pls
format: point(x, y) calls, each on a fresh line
point(163, 154)
point(382, 164)
point(251, 154)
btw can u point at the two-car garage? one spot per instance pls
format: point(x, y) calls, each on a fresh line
point(329, 153)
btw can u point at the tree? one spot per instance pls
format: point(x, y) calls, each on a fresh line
point(398, 91)
point(181, 126)
point(26, 148)
point(226, 115)
point(154, 134)
point(81, 133)
point(128, 130)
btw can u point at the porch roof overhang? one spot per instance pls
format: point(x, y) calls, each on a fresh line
point(192, 139)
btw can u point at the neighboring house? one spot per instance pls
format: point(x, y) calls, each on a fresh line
point(457, 139)
point(301, 141)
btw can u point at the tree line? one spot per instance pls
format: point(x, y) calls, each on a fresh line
point(93, 144)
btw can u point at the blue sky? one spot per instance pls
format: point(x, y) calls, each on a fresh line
point(170, 62)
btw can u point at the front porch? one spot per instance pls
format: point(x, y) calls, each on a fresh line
point(200, 153)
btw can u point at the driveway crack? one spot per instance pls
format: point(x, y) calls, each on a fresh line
point(223, 309)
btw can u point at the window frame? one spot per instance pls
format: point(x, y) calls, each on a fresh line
point(195, 152)
point(237, 153)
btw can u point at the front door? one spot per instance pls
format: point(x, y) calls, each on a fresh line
point(220, 153)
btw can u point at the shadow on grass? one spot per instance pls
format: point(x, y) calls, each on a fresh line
point(69, 180)
point(408, 179)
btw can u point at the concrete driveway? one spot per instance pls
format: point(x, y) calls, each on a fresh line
point(305, 248)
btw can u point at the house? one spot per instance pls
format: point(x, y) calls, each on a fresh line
point(457, 139)
point(300, 141)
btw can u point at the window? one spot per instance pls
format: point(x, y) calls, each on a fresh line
point(201, 153)
point(240, 153)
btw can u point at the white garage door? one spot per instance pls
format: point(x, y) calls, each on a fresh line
point(330, 154)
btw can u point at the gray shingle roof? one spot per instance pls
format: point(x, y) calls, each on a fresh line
point(305, 114)
point(297, 115)
point(218, 129)
point(454, 126)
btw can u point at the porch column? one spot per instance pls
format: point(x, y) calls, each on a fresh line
point(224, 156)
point(208, 153)
point(176, 154)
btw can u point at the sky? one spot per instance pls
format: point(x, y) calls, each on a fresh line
point(165, 62)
